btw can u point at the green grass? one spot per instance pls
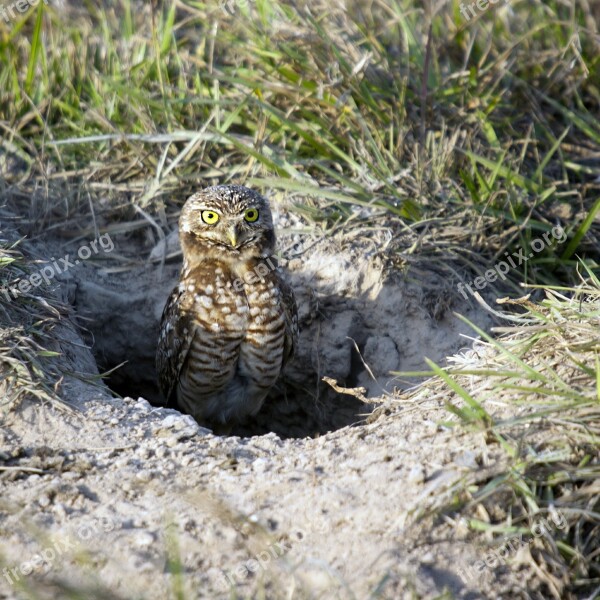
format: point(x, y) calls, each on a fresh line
point(479, 136)
point(342, 112)
point(540, 405)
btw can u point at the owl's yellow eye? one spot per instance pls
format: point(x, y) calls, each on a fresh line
point(251, 215)
point(210, 217)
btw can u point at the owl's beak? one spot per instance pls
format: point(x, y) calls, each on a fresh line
point(232, 234)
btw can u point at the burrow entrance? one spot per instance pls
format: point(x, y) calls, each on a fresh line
point(358, 322)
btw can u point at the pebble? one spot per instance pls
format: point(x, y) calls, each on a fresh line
point(61, 510)
point(467, 459)
point(143, 405)
point(172, 421)
point(171, 442)
point(162, 451)
point(261, 465)
point(186, 460)
point(121, 463)
point(44, 501)
point(127, 486)
point(146, 567)
point(144, 475)
point(144, 452)
point(143, 539)
point(143, 432)
point(416, 474)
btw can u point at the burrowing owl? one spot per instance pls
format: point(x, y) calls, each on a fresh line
point(231, 324)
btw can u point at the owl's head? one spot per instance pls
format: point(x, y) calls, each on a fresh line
point(231, 219)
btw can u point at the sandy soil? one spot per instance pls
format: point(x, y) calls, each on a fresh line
point(313, 500)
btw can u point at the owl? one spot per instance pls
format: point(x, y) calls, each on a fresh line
point(231, 324)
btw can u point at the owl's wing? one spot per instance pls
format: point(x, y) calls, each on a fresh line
point(291, 321)
point(174, 342)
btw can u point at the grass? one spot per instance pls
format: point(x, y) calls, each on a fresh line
point(27, 365)
point(534, 392)
point(341, 113)
point(479, 136)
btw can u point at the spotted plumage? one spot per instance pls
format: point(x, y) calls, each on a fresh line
point(230, 325)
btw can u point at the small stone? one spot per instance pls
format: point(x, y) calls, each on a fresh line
point(61, 510)
point(83, 464)
point(462, 527)
point(126, 486)
point(186, 460)
point(146, 567)
point(144, 452)
point(139, 432)
point(172, 421)
point(144, 476)
point(143, 539)
point(467, 459)
point(416, 474)
point(142, 405)
point(44, 501)
point(161, 451)
point(431, 427)
point(171, 442)
point(121, 463)
point(189, 432)
point(260, 465)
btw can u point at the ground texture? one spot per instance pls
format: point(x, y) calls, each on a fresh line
point(120, 498)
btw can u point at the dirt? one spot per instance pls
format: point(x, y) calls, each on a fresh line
point(315, 498)
point(360, 320)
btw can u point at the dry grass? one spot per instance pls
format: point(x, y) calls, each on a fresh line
point(27, 361)
point(534, 393)
point(476, 137)
point(121, 108)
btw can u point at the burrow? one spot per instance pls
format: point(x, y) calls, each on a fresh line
point(362, 319)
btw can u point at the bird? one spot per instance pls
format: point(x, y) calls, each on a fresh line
point(230, 325)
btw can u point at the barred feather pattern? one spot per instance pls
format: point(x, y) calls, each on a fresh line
point(231, 324)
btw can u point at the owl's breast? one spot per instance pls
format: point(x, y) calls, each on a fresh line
point(261, 354)
point(213, 303)
point(216, 322)
point(236, 327)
